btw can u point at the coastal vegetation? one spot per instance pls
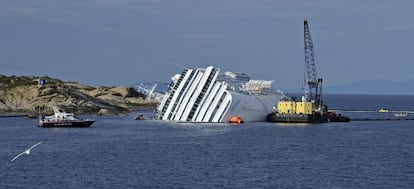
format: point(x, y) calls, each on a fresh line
point(29, 94)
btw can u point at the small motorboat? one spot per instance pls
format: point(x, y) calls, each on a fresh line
point(401, 114)
point(140, 116)
point(63, 119)
point(383, 110)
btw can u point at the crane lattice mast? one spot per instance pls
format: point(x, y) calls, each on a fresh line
point(311, 73)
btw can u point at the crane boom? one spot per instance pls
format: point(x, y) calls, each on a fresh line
point(311, 73)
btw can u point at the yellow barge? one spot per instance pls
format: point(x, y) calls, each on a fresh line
point(290, 111)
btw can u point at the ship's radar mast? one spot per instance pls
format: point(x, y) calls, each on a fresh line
point(312, 78)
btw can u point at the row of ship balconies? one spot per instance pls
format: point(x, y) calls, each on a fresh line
point(195, 100)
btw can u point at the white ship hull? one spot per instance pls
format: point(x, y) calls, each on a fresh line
point(202, 95)
point(253, 107)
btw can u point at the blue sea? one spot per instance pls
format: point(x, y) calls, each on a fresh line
point(120, 152)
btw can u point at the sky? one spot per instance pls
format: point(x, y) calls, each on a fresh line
point(122, 42)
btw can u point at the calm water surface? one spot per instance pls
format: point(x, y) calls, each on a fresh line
point(119, 152)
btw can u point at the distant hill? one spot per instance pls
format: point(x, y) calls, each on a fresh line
point(367, 87)
point(373, 87)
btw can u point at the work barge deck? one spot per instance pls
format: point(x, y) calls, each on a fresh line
point(306, 118)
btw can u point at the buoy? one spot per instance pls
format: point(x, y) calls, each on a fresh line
point(236, 119)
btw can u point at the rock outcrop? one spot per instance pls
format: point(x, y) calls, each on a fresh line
point(29, 94)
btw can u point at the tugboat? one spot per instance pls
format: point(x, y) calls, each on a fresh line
point(333, 117)
point(63, 119)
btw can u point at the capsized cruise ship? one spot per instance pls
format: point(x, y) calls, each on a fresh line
point(206, 95)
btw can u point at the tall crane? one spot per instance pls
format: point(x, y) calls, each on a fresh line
point(312, 78)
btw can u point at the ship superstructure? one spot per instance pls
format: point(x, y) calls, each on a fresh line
point(206, 95)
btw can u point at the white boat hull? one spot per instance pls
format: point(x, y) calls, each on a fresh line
point(252, 107)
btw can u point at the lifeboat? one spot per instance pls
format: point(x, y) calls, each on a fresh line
point(236, 119)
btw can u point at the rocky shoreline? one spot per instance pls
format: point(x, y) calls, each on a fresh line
point(26, 95)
